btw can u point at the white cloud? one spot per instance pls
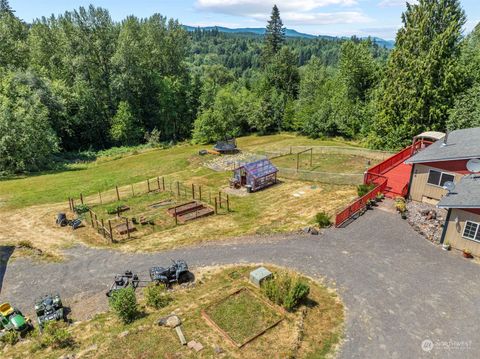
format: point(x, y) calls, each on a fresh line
point(395, 3)
point(293, 12)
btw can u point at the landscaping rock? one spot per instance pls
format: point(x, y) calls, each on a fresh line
point(314, 231)
point(171, 321)
point(426, 220)
point(123, 334)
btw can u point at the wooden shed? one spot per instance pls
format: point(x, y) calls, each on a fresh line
point(256, 175)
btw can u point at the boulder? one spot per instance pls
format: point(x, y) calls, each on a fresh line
point(171, 321)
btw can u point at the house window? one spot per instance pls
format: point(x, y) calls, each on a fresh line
point(438, 178)
point(472, 231)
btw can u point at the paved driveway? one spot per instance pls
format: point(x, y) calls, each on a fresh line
point(399, 289)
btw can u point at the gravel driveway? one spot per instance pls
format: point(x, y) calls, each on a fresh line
point(398, 288)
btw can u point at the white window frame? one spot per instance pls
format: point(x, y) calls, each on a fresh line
point(441, 175)
point(476, 232)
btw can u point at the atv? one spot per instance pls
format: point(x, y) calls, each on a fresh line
point(123, 281)
point(49, 308)
point(12, 319)
point(177, 272)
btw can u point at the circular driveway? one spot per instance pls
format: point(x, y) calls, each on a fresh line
point(405, 297)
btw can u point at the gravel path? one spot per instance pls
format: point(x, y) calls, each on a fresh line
point(398, 288)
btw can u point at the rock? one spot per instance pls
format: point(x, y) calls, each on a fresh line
point(195, 345)
point(85, 351)
point(123, 334)
point(218, 350)
point(306, 230)
point(171, 321)
point(314, 231)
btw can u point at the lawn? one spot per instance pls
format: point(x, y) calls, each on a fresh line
point(30, 204)
point(327, 163)
point(323, 317)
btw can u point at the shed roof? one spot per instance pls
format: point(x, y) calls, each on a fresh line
point(461, 144)
point(435, 135)
point(465, 195)
point(260, 168)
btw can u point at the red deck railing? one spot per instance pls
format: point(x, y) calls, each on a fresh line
point(381, 185)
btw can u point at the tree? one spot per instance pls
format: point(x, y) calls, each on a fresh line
point(5, 7)
point(125, 129)
point(27, 138)
point(274, 35)
point(422, 75)
point(282, 73)
point(466, 112)
point(13, 36)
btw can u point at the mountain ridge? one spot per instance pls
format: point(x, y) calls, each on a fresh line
point(288, 32)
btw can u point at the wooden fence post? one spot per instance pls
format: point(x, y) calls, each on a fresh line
point(158, 183)
point(81, 198)
point(193, 191)
point(96, 221)
point(200, 192)
point(133, 191)
point(73, 204)
point(91, 218)
point(103, 229)
point(148, 185)
point(220, 199)
point(311, 158)
point(111, 232)
point(128, 229)
point(100, 196)
point(228, 204)
point(209, 197)
point(178, 189)
point(118, 193)
point(216, 208)
point(163, 183)
point(70, 203)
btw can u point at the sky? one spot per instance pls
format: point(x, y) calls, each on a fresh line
point(379, 18)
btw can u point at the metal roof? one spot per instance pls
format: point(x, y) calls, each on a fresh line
point(461, 144)
point(465, 195)
point(434, 135)
point(260, 168)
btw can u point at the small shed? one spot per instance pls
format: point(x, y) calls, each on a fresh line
point(257, 175)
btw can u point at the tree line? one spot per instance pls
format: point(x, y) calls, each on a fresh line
point(81, 81)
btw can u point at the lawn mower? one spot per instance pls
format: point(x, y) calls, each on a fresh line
point(128, 279)
point(12, 319)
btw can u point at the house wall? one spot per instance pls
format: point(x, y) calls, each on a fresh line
point(454, 230)
point(421, 191)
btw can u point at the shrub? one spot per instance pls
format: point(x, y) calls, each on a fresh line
point(323, 219)
point(156, 296)
point(401, 206)
point(25, 244)
point(124, 303)
point(81, 208)
point(56, 336)
point(10, 337)
point(285, 290)
point(363, 189)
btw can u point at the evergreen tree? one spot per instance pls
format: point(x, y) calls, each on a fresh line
point(5, 7)
point(275, 34)
point(422, 75)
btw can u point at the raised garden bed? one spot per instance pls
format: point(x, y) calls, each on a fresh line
point(185, 208)
point(242, 316)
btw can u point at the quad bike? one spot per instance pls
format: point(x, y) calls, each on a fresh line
point(178, 272)
point(128, 279)
point(49, 308)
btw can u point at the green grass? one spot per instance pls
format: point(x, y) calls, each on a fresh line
point(326, 163)
point(243, 316)
point(105, 173)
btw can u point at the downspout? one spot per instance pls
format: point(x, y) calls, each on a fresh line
point(445, 226)
point(410, 181)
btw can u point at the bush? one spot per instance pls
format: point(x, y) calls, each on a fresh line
point(81, 208)
point(124, 303)
point(25, 244)
point(156, 296)
point(286, 290)
point(363, 189)
point(11, 337)
point(56, 336)
point(323, 219)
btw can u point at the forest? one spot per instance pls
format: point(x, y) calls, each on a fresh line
point(82, 82)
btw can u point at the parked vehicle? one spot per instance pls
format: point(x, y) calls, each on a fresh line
point(123, 281)
point(177, 273)
point(12, 319)
point(49, 308)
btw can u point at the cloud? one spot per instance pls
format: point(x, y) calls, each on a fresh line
point(396, 3)
point(294, 12)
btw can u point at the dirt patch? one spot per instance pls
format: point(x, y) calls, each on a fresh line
point(36, 225)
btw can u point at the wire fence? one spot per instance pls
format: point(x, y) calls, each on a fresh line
point(321, 177)
point(357, 151)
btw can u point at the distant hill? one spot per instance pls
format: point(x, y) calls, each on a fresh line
point(389, 44)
